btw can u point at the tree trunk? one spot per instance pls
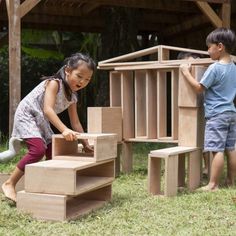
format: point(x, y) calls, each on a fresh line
point(119, 37)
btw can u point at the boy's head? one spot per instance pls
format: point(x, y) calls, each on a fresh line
point(188, 55)
point(224, 36)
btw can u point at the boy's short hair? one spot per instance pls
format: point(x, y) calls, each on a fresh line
point(222, 35)
point(186, 55)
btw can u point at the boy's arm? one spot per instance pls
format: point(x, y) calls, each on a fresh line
point(198, 87)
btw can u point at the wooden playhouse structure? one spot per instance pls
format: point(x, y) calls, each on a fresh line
point(156, 105)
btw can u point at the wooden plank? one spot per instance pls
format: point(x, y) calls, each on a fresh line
point(127, 157)
point(163, 53)
point(174, 103)
point(115, 88)
point(27, 5)
point(14, 58)
point(171, 176)
point(154, 175)
point(151, 104)
point(140, 103)
point(127, 104)
point(187, 91)
point(210, 13)
point(161, 104)
point(172, 151)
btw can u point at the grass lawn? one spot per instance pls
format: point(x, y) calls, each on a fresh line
point(133, 211)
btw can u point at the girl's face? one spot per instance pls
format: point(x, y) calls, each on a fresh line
point(78, 78)
point(215, 50)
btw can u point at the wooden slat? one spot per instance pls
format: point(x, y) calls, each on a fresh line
point(115, 89)
point(210, 13)
point(27, 5)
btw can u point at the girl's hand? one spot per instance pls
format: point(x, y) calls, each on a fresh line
point(70, 135)
point(88, 149)
point(185, 68)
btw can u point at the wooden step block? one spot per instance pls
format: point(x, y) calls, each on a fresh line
point(68, 177)
point(105, 147)
point(62, 207)
point(105, 120)
point(174, 174)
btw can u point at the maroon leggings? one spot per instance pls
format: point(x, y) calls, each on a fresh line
point(36, 151)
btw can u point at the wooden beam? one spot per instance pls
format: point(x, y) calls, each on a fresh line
point(210, 13)
point(14, 58)
point(27, 5)
point(90, 7)
point(212, 1)
point(226, 14)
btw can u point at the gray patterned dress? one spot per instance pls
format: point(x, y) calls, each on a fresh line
point(29, 120)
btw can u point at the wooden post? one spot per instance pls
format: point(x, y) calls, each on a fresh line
point(14, 58)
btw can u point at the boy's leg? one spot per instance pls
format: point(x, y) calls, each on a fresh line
point(217, 167)
point(231, 167)
point(36, 152)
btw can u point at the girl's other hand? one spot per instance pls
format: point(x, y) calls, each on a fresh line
point(70, 135)
point(88, 149)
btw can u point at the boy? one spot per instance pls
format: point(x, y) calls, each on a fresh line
point(219, 86)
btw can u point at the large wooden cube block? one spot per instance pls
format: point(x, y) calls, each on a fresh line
point(105, 147)
point(68, 177)
point(105, 120)
point(62, 207)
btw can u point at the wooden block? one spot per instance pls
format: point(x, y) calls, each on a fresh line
point(115, 89)
point(187, 96)
point(62, 207)
point(191, 127)
point(68, 177)
point(140, 103)
point(105, 147)
point(105, 120)
point(5, 177)
point(127, 103)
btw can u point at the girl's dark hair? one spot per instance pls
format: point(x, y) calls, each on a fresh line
point(71, 62)
point(222, 35)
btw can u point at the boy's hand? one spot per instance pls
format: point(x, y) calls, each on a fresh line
point(185, 68)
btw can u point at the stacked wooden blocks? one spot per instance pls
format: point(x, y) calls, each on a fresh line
point(72, 183)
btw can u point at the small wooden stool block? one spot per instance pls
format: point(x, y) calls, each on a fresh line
point(62, 207)
point(105, 147)
point(105, 120)
point(68, 177)
point(172, 159)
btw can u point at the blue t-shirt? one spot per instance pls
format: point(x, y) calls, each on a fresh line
point(220, 83)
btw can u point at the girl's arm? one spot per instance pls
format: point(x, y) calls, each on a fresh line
point(48, 109)
point(198, 87)
point(76, 125)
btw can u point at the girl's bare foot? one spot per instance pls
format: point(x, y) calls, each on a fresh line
point(229, 183)
point(9, 191)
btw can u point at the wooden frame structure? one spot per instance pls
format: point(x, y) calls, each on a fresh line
point(140, 89)
point(16, 10)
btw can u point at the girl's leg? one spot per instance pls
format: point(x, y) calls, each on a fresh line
point(36, 151)
point(48, 153)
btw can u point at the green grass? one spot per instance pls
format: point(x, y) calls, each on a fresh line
point(133, 211)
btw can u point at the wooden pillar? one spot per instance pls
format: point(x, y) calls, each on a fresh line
point(226, 14)
point(14, 20)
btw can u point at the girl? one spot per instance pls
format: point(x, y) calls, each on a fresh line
point(40, 108)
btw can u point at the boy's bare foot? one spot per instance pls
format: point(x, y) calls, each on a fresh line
point(9, 191)
point(208, 188)
point(228, 183)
